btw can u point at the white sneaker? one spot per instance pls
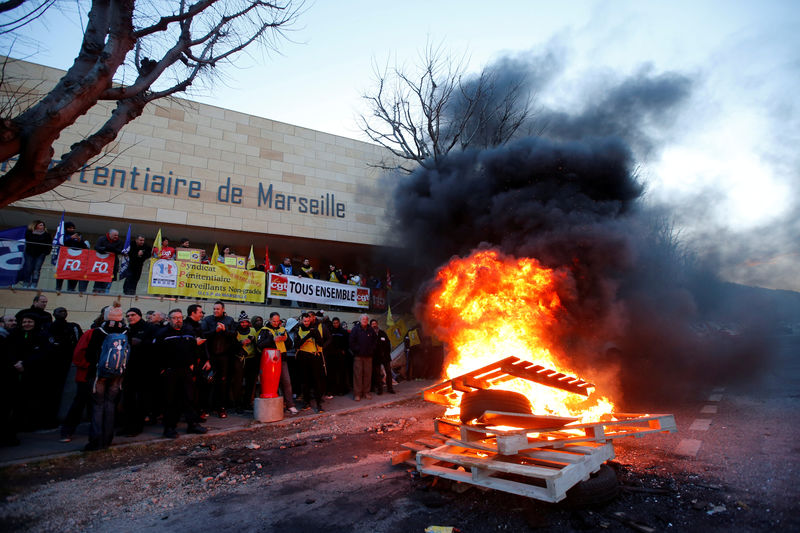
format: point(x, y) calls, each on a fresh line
point(293, 410)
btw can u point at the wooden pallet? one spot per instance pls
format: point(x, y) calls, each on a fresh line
point(515, 441)
point(495, 374)
point(544, 474)
point(407, 456)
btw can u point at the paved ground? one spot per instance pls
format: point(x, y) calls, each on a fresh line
point(45, 444)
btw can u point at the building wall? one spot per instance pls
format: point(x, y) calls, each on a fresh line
point(227, 162)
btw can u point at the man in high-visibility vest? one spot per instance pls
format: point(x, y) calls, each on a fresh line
point(309, 358)
point(274, 335)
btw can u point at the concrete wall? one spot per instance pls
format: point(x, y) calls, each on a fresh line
point(212, 148)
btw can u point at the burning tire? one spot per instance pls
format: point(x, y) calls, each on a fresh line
point(475, 403)
point(601, 488)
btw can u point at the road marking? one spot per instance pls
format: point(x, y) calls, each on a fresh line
point(688, 447)
point(715, 397)
point(700, 424)
point(709, 409)
point(719, 389)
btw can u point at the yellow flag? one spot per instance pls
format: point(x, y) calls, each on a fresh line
point(413, 337)
point(157, 244)
point(214, 255)
point(251, 259)
point(389, 319)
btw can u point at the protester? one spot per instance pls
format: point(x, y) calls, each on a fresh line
point(31, 353)
point(38, 243)
point(220, 330)
point(37, 309)
point(381, 360)
point(310, 362)
point(82, 402)
point(136, 381)
point(274, 336)
point(75, 241)
point(106, 387)
point(363, 343)
point(336, 359)
point(244, 365)
point(166, 251)
point(177, 347)
point(137, 256)
point(108, 243)
point(64, 337)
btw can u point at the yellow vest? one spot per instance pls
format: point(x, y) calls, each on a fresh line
point(280, 331)
point(306, 345)
point(249, 349)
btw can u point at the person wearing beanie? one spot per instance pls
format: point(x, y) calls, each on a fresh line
point(105, 390)
point(246, 364)
point(136, 384)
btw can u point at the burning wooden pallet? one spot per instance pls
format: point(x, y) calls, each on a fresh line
point(537, 456)
point(546, 475)
point(510, 441)
point(495, 374)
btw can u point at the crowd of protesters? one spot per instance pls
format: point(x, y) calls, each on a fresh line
point(128, 264)
point(182, 365)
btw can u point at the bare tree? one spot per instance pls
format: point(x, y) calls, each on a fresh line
point(421, 116)
point(164, 46)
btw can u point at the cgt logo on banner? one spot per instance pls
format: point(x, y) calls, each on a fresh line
point(12, 246)
point(84, 265)
point(317, 291)
point(164, 274)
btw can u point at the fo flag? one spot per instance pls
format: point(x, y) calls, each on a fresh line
point(74, 263)
point(12, 246)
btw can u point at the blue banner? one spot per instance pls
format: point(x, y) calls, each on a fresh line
point(12, 244)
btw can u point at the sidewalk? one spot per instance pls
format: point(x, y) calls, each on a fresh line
point(38, 446)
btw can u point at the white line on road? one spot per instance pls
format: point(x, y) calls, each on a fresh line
point(719, 389)
point(688, 447)
point(700, 424)
point(715, 397)
point(709, 409)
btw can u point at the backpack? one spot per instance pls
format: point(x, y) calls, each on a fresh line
point(113, 355)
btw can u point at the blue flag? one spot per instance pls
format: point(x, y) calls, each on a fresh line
point(12, 246)
point(124, 259)
point(58, 240)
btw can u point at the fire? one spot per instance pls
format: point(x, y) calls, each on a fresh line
point(489, 306)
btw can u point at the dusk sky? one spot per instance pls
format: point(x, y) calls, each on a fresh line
point(726, 164)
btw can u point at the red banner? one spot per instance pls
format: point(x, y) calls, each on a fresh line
point(379, 299)
point(89, 265)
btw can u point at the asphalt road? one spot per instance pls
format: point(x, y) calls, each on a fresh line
point(732, 466)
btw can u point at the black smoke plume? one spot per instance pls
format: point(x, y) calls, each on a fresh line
point(635, 300)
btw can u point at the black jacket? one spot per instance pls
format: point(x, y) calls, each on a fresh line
point(177, 348)
point(363, 342)
point(220, 342)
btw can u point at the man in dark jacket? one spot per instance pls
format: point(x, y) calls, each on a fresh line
point(108, 243)
point(220, 331)
point(135, 385)
point(138, 254)
point(37, 310)
point(363, 343)
point(310, 361)
point(336, 359)
point(64, 336)
point(178, 351)
point(202, 369)
point(382, 359)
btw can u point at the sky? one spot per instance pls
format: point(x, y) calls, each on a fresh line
point(725, 165)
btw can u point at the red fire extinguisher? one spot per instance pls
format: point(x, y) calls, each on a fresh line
point(270, 372)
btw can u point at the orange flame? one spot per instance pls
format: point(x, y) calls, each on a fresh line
point(487, 307)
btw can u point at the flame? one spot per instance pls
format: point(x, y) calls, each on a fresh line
point(489, 306)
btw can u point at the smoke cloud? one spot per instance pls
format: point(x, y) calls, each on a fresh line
point(636, 300)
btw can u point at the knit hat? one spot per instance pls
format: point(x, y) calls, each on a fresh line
point(243, 316)
point(134, 310)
